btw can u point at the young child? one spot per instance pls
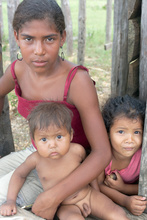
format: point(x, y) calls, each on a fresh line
point(56, 157)
point(124, 120)
point(41, 75)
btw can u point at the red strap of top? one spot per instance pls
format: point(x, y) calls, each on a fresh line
point(69, 79)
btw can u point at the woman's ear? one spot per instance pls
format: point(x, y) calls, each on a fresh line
point(16, 37)
point(63, 38)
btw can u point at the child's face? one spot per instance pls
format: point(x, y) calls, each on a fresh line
point(126, 137)
point(52, 142)
point(39, 42)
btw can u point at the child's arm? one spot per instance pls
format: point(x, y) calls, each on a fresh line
point(118, 184)
point(17, 180)
point(135, 204)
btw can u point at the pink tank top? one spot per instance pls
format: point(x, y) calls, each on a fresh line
point(129, 174)
point(25, 106)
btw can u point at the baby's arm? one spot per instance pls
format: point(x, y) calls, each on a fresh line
point(17, 180)
point(135, 204)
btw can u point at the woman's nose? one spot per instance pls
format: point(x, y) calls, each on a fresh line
point(39, 48)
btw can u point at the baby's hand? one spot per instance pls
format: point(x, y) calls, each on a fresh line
point(8, 208)
point(136, 204)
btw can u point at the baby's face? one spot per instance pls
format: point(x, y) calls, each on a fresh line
point(53, 142)
point(126, 136)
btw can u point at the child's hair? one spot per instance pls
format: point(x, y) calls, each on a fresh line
point(120, 106)
point(49, 113)
point(29, 10)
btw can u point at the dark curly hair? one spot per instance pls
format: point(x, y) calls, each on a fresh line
point(29, 10)
point(127, 106)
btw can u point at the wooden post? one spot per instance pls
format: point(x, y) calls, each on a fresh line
point(108, 43)
point(69, 30)
point(6, 139)
point(143, 54)
point(81, 32)
point(120, 67)
point(143, 95)
point(143, 168)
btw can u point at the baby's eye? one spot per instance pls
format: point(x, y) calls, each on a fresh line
point(120, 131)
point(43, 139)
point(59, 136)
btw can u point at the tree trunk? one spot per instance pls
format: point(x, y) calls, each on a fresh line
point(68, 21)
point(81, 31)
point(11, 6)
point(6, 139)
point(1, 19)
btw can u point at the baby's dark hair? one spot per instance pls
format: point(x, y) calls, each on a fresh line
point(49, 113)
point(120, 106)
point(29, 10)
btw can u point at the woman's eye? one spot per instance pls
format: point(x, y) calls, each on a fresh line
point(49, 39)
point(59, 136)
point(28, 39)
point(43, 139)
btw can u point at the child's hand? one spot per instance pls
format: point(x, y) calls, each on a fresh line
point(8, 208)
point(136, 204)
point(117, 184)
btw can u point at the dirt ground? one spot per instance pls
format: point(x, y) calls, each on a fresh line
point(19, 124)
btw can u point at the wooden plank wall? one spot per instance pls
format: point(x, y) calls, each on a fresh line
point(126, 47)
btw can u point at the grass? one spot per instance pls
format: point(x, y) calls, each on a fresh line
point(95, 55)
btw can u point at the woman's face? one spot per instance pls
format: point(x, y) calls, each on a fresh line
point(39, 43)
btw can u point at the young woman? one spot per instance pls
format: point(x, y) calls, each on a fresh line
point(42, 75)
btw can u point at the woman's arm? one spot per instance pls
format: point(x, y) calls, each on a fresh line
point(83, 95)
point(6, 85)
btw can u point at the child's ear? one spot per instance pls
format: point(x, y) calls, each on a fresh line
point(63, 38)
point(71, 135)
point(16, 37)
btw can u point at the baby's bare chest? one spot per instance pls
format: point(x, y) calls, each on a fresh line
point(52, 173)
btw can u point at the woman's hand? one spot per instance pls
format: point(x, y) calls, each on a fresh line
point(45, 205)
